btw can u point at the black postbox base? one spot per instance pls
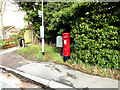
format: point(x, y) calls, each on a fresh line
point(61, 51)
point(43, 53)
point(65, 58)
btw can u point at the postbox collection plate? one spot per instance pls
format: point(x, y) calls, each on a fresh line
point(65, 41)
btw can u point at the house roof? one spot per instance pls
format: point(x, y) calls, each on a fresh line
point(10, 28)
point(6, 27)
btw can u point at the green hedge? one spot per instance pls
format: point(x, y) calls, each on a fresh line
point(98, 47)
point(94, 28)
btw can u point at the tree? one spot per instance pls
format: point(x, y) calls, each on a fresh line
point(2, 9)
point(94, 29)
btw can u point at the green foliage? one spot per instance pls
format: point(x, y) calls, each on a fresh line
point(32, 14)
point(21, 33)
point(16, 39)
point(3, 43)
point(9, 42)
point(94, 52)
point(94, 29)
point(96, 40)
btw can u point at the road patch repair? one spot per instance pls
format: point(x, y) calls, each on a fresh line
point(54, 75)
point(67, 76)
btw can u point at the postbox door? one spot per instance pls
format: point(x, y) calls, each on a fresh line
point(66, 44)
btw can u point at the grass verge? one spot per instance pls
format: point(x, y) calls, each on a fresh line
point(33, 52)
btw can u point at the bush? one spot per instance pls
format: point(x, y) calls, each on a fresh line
point(98, 47)
point(93, 28)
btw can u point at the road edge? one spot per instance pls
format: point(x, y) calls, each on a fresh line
point(49, 83)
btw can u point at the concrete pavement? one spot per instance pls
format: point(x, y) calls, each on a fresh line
point(55, 72)
point(68, 76)
point(9, 50)
point(10, 61)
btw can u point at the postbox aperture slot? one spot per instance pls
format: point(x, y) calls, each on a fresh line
point(65, 37)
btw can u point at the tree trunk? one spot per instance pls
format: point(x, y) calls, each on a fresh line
point(1, 27)
point(2, 9)
point(35, 39)
point(26, 22)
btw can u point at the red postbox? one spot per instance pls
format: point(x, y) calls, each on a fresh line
point(66, 46)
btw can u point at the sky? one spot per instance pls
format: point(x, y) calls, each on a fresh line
point(13, 17)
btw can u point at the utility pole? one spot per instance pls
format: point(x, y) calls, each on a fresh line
point(42, 29)
point(43, 52)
